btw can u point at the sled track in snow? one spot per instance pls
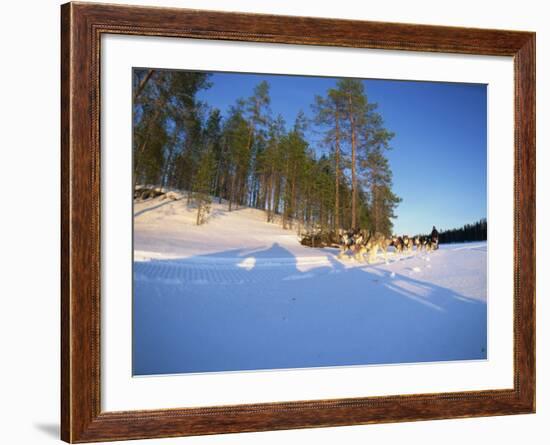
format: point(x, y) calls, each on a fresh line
point(235, 271)
point(224, 273)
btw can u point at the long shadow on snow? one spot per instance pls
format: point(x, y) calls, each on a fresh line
point(221, 314)
point(148, 209)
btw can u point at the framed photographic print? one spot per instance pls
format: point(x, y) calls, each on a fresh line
point(275, 222)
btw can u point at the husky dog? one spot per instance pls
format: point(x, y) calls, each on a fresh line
point(420, 242)
point(363, 245)
point(397, 243)
point(408, 243)
point(430, 245)
point(359, 241)
point(350, 240)
point(376, 242)
point(346, 243)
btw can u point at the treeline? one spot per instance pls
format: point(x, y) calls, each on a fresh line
point(468, 232)
point(251, 158)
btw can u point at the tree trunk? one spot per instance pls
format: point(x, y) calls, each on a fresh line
point(143, 83)
point(269, 197)
point(159, 104)
point(232, 191)
point(244, 185)
point(199, 214)
point(276, 196)
point(337, 174)
point(353, 167)
point(293, 209)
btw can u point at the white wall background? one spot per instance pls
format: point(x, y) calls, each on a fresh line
point(29, 219)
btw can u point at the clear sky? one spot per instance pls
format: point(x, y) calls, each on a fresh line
point(439, 155)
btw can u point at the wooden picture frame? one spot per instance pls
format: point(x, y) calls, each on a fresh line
point(82, 25)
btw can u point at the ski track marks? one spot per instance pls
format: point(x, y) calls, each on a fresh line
point(228, 271)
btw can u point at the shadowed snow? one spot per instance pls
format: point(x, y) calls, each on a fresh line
point(239, 293)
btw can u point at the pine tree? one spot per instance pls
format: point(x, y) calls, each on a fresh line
point(271, 166)
point(149, 113)
point(329, 111)
point(295, 147)
point(374, 141)
point(166, 117)
point(382, 200)
point(235, 134)
point(212, 140)
point(257, 110)
point(352, 93)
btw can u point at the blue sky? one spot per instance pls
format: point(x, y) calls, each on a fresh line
point(439, 155)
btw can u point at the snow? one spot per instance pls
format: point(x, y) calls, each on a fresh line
point(238, 293)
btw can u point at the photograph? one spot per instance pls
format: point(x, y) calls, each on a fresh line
point(291, 222)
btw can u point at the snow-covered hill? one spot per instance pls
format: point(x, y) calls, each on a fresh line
point(165, 228)
point(239, 293)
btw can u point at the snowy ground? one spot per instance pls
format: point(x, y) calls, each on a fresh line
point(238, 294)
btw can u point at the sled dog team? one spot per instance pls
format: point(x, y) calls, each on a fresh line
point(361, 244)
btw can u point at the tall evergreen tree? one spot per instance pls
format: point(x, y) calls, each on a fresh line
point(329, 111)
point(212, 141)
point(236, 133)
point(374, 142)
point(352, 93)
point(257, 110)
point(165, 105)
point(382, 199)
point(295, 147)
point(272, 166)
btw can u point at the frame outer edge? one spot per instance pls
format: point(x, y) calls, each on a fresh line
point(66, 89)
point(526, 129)
point(81, 417)
point(79, 229)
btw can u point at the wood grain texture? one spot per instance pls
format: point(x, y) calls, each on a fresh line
point(65, 226)
point(82, 26)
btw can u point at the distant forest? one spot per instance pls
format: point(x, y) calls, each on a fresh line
point(248, 157)
point(468, 232)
